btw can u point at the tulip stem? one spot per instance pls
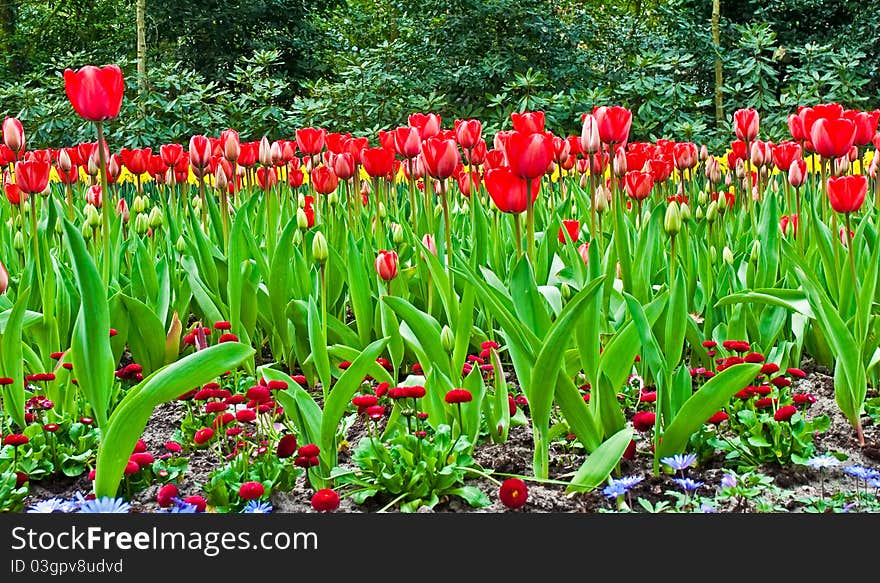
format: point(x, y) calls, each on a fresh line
point(105, 215)
point(530, 222)
point(852, 252)
point(35, 239)
point(518, 230)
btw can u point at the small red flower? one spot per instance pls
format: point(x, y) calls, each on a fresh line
point(513, 493)
point(251, 490)
point(796, 372)
point(375, 412)
point(718, 418)
point(459, 396)
point(309, 450)
point(644, 420)
point(286, 446)
point(785, 412)
point(382, 388)
point(803, 399)
point(15, 439)
point(197, 501)
point(245, 415)
point(769, 368)
point(131, 467)
point(364, 401)
point(764, 403)
point(143, 458)
point(277, 386)
point(228, 337)
point(203, 435)
point(258, 394)
point(222, 325)
point(325, 500)
point(215, 407)
point(173, 447)
point(416, 392)
point(648, 396)
point(780, 382)
point(754, 357)
point(165, 495)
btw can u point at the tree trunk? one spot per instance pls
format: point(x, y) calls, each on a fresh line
point(141, 53)
point(8, 12)
point(716, 41)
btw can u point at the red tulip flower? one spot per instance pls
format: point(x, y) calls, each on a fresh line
point(529, 154)
point(199, 151)
point(343, 165)
point(13, 193)
point(441, 157)
point(796, 127)
point(310, 141)
point(746, 123)
point(639, 184)
point(833, 138)
point(528, 122)
point(785, 153)
point(32, 176)
point(590, 140)
point(866, 125)
point(427, 124)
point(378, 162)
point(685, 155)
point(847, 193)
point(4, 279)
point(386, 265)
point(614, 123)
point(508, 191)
point(171, 154)
point(13, 135)
point(95, 93)
point(137, 161)
point(407, 141)
point(573, 229)
point(231, 145)
point(468, 132)
point(324, 180)
point(797, 173)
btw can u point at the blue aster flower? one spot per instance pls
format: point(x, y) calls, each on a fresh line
point(105, 505)
point(614, 490)
point(687, 484)
point(874, 483)
point(630, 481)
point(680, 461)
point(861, 472)
point(50, 506)
point(728, 481)
point(706, 509)
point(257, 507)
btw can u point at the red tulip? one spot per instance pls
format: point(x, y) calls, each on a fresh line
point(573, 229)
point(324, 180)
point(378, 162)
point(660, 169)
point(468, 132)
point(847, 193)
point(311, 141)
point(386, 265)
point(561, 150)
point(685, 155)
point(32, 176)
point(355, 146)
point(171, 154)
point(614, 123)
point(137, 161)
point(832, 138)
point(231, 144)
point(785, 153)
point(199, 152)
point(746, 123)
point(528, 122)
point(13, 193)
point(93, 195)
point(441, 157)
point(508, 191)
point(796, 127)
point(248, 155)
point(343, 166)
point(464, 181)
point(866, 125)
point(638, 184)
point(4, 279)
point(267, 177)
point(787, 220)
point(529, 155)
point(13, 135)
point(406, 141)
point(477, 153)
point(590, 140)
point(95, 93)
point(797, 173)
point(335, 142)
point(427, 124)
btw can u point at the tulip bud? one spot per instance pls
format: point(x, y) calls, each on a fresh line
point(702, 197)
point(264, 155)
point(756, 250)
point(59, 229)
point(647, 217)
point(220, 181)
point(722, 203)
point(704, 153)
point(430, 244)
point(94, 195)
point(93, 218)
point(565, 290)
point(699, 214)
point(728, 180)
point(590, 141)
point(712, 212)
point(713, 254)
point(4, 279)
point(447, 339)
point(685, 212)
point(740, 170)
point(672, 219)
point(196, 203)
point(396, 233)
point(619, 164)
point(727, 255)
point(122, 210)
point(601, 199)
point(64, 161)
point(181, 244)
point(276, 154)
point(382, 212)
point(141, 224)
point(796, 174)
point(302, 220)
point(86, 231)
point(18, 241)
point(333, 198)
point(319, 249)
point(139, 204)
point(156, 218)
point(92, 167)
point(297, 237)
point(841, 166)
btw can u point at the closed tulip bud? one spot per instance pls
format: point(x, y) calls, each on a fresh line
point(647, 217)
point(382, 212)
point(727, 255)
point(386, 265)
point(619, 164)
point(141, 224)
point(18, 241)
point(59, 229)
point(196, 203)
point(86, 231)
point(64, 162)
point(319, 249)
point(740, 170)
point(139, 204)
point(590, 141)
point(4, 279)
point(396, 233)
point(704, 153)
point(728, 180)
point(92, 167)
point(713, 254)
point(181, 244)
point(601, 199)
point(265, 152)
point(757, 154)
point(712, 212)
point(302, 220)
point(685, 212)
point(722, 203)
point(220, 181)
point(156, 218)
point(565, 290)
point(702, 197)
point(93, 217)
point(698, 214)
point(297, 238)
point(94, 196)
point(447, 339)
point(430, 244)
point(122, 210)
point(756, 251)
point(841, 166)
point(333, 198)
